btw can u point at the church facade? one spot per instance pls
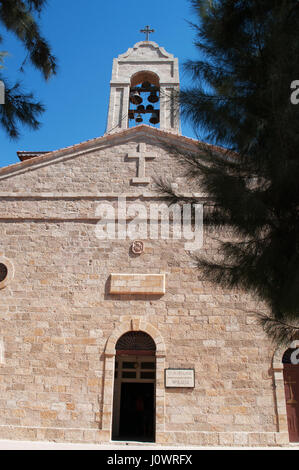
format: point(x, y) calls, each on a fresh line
point(108, 331)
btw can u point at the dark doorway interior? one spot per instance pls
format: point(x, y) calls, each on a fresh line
point(137, 412)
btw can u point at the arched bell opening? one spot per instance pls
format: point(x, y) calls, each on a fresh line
point(290, 362)
point(144, 102)
point(134, 399)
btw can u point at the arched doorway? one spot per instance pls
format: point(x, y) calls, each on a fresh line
point(134, 388)
point(291, 384)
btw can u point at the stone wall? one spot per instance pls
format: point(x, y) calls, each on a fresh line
point(57, 314)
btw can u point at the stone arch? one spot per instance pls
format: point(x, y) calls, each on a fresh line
point(136, 324)
point(277, 363)
point(145, 76)
point(133, 324)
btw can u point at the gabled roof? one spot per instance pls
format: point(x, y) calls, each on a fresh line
point(27, 155)
point(30, 159)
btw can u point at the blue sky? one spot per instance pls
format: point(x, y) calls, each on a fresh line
point(85, 37)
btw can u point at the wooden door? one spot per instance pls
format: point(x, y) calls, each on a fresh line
point(291, 384)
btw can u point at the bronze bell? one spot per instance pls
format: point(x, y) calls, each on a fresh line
point(149, 107)
point(146, 85)
point(131, 114)
point(140, 108)
point(139, 118)
point(135, 97)
point(153, 98)
point(155, 118)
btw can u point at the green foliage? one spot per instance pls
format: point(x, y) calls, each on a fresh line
point(19, 17)
point(19, 107)
point(240, 99)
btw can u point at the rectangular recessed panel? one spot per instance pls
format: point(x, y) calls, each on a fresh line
point(129, 375)
point(148, 365)
point(129, 365)
point(147, 375)
point(147, 284)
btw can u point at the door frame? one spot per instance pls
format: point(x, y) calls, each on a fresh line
point(118, 381)
point(133, 324)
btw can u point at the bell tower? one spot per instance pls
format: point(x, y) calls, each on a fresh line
point(143, 89)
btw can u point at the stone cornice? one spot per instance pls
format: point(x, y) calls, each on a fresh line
point(150, 44)
point(80, 196)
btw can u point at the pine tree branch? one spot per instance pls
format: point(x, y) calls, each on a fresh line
point(20, 108)
point(280, 332)
point(17, 18)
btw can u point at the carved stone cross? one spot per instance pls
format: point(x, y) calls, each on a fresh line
point(141, 156)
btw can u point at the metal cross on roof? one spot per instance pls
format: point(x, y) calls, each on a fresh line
point(147, 31)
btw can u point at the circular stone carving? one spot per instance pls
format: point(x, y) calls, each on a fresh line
point(137, 247)
point(6, 272)
point(3, 272)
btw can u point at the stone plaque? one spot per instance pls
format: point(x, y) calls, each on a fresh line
point(146, 284)
point(182, 378)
